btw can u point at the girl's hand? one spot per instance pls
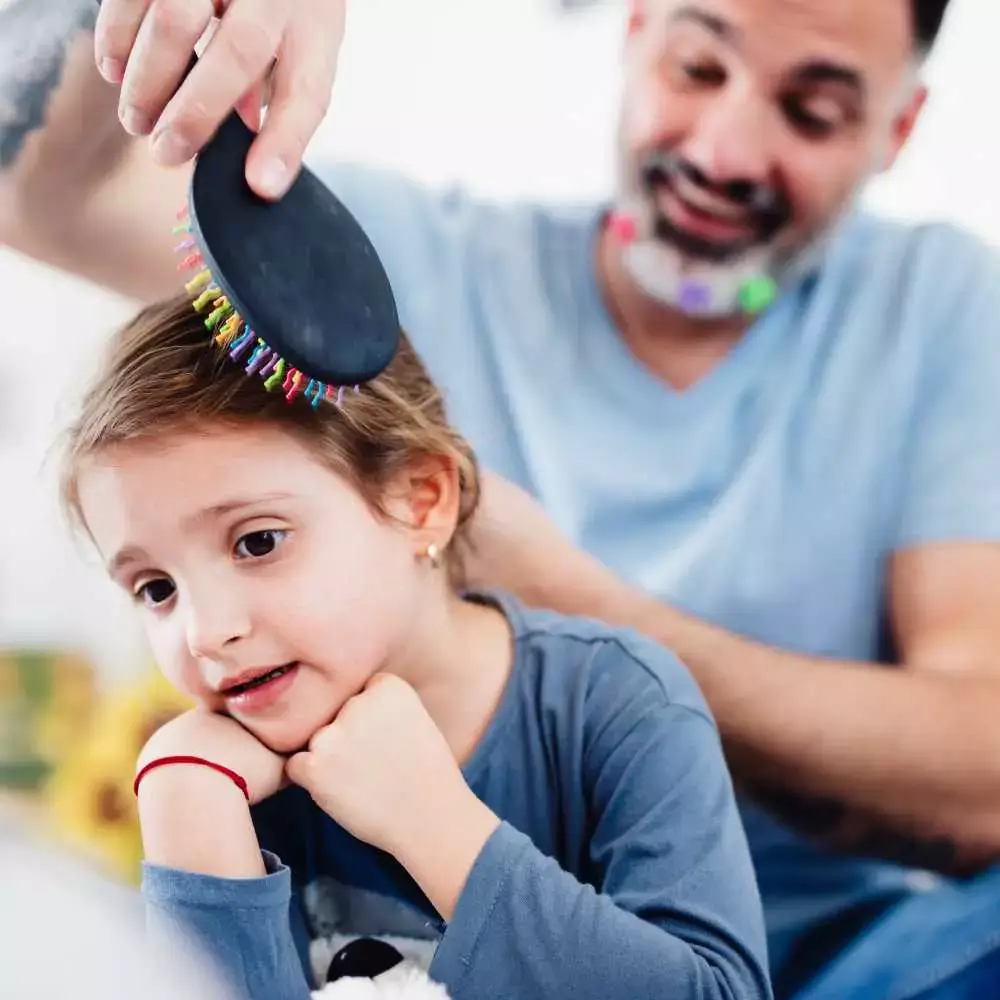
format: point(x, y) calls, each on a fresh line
point(382, 769)
point(200, 733)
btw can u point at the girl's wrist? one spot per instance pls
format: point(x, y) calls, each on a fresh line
point(197, 819)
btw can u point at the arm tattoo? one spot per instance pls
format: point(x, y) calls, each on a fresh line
point(833, 825)
point(35, 36)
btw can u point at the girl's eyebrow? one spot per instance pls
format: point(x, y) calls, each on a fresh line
point(226, 507)
point(132, 553)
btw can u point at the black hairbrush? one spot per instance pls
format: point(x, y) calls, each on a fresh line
point(294, 287)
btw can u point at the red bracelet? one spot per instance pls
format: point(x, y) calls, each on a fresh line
point(160, 761)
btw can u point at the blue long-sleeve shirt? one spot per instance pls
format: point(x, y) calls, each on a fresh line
point(620, 869)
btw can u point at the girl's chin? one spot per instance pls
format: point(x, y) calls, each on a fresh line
point(287, 736)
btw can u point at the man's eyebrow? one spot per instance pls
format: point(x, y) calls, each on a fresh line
point(812, 72)
point(711, 22)
point(819, 71)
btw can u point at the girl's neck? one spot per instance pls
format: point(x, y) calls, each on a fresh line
point(458, 659)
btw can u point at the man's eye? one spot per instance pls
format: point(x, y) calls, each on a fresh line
point(155, 592)
point(257, 544)
point(804, 117)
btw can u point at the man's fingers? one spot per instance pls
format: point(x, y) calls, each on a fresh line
point(114, 35)
point(302, 81)
point(250, 107)
point(236, 58)
point(159, 59)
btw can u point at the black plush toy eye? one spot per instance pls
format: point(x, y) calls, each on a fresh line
point(364, 958)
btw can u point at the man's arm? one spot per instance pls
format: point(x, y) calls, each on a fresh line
point(76, 192)
point(897, 762)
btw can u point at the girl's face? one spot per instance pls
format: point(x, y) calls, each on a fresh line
point(267, 587)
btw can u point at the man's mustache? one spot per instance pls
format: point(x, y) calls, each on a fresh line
point(768, 207)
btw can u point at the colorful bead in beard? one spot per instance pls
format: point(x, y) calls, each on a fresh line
point(695, 289)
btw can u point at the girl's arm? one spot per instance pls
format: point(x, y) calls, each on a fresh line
point(209, 890)
point(673, 910)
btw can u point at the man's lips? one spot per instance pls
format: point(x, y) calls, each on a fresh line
point(706, 225)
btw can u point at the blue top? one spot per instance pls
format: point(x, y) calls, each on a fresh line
point(860, 415)
point(620, 870)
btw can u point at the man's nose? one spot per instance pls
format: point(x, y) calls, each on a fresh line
point(215, 623)
point(729, 143)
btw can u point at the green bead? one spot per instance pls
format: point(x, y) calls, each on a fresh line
point(757, 294)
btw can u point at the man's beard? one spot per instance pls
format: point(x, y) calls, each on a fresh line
point(710, 278)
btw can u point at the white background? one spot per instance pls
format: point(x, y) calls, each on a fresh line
point(507, 97)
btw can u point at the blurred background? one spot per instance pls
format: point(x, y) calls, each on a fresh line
point(513, 100)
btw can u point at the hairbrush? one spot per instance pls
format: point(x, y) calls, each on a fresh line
point(293, 289)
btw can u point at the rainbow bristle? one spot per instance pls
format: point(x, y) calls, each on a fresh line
point(198, 283)
point(191, 261)
point(260, 354)
point(222, 311)
point(277, 376)
point(228, 331)
point(204, 300)
point(231, 334)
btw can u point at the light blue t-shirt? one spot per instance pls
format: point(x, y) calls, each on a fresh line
point(860, 415)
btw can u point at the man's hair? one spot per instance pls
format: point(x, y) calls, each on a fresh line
point(927, 18)
point(162, 374)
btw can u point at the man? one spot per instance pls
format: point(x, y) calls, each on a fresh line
point(768, 418)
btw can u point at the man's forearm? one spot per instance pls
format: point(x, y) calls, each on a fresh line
point(35, 39)
point(864, 758)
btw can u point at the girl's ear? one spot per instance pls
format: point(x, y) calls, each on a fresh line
point(426, 496)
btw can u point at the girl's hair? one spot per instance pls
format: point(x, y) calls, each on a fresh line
point(161, 373)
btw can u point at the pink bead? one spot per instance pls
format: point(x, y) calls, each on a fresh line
point(623, 227)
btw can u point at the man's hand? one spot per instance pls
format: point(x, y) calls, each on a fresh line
point(146, 46)
point(200, 733)
point(517, 547)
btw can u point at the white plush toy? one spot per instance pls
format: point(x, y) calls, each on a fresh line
point(405, 981)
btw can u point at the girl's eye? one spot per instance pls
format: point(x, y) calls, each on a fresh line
point(155, 592)
point(257, 544)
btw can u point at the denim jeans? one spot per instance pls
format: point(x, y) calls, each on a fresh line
point(942, 944)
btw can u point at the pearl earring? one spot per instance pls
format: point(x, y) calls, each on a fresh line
point(432, 553)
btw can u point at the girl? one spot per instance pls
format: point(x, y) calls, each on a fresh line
point(534, 806)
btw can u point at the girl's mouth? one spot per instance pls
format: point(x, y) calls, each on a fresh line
point(260, 690)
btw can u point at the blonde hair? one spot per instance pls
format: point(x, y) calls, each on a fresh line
point(161, 373)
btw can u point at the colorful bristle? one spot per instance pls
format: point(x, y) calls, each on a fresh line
point(230, 332)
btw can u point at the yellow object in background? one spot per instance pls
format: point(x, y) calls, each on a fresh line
point(89, 795)
point(46, 700)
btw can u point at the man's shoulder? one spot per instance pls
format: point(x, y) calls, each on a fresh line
point(910, 262)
